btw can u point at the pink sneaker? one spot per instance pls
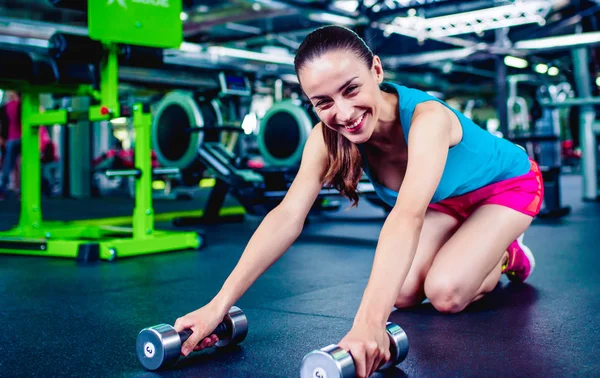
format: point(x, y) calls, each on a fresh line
point(520, 262)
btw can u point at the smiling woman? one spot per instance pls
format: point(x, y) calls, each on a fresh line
point(461, 198)
point(342, 76)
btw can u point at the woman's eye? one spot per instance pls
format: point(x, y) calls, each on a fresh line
point(351, 89)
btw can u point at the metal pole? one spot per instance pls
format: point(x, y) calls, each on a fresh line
point(31, 209)
point(502, 95)
point(278, 90)
point(571, 102)
point(143, 213)
point(502, 84)
point(587, 117)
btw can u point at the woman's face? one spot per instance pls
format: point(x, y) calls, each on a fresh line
point(344, 92)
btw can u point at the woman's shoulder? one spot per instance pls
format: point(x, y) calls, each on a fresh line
point(315, 138)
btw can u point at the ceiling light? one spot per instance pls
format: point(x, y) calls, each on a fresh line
point(515, 62)
point(329, 18)
point(252, 55)
point(553, 71)
point(346, 5)
point(541, 68)
point(518, 13)
point(560, 41)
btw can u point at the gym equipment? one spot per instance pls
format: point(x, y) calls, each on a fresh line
point(183, 123)
point(236, 85)
point(518, 110)
point(32, 74)
point(588, 126)
point(160, 346)
point(196, 128)
point(283, 132)
point(70, 4)
point(542, 142)
point(74, 48)
point(176, 114)
point(546, 147)
point(335, 362)
point(180, 112)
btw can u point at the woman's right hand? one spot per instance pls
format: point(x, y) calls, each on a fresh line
point(202, 322)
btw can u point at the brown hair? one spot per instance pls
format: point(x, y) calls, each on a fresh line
point(345, 166)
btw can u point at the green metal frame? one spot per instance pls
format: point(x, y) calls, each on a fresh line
point(34, 236)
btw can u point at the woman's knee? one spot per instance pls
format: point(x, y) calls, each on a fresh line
point(446, 294)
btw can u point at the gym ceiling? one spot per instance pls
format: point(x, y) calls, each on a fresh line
point(449, 46)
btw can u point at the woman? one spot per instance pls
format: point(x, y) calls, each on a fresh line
point(461, 197)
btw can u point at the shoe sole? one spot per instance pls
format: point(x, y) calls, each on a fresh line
point(528, 253)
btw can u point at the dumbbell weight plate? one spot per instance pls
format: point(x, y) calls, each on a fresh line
point(335, 362)
point(329, 362)
point(158, 346)
point(237, 321)
point(398, 345)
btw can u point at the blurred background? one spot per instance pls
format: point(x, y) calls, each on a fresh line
point(523, 70)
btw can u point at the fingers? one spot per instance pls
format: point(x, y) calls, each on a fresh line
point(373, 358)
point(189, 345)
point(208, 342)
point(194, 340)
point(387, 356)
point(367, 357)
point(381, 357)
point(182, 323)
point(359, 356)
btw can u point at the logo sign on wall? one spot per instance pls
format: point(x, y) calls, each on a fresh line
point(153, 23)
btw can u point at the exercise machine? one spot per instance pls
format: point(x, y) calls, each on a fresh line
point(258, 190)
point(184, 122)
point(542, 141)
point(283, 132)
point(82, 66)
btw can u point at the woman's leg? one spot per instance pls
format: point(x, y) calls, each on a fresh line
point(438, 227)
point(469, 265)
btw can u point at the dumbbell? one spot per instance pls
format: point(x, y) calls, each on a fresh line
point(335, 362)
point(160, 346)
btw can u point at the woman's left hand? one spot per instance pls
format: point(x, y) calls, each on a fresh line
point(369, 346)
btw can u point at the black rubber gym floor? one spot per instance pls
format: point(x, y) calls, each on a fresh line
point(62, 319)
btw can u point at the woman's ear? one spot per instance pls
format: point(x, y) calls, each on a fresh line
point(377, 69)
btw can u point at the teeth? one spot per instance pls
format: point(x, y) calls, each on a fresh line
point(356, 123)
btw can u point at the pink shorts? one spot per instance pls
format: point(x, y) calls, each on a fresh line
point(522, 193)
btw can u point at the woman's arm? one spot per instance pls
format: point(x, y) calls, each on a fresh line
point(428, 144)
point(282, 226)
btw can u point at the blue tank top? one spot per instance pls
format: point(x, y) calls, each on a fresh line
point(479, 159)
